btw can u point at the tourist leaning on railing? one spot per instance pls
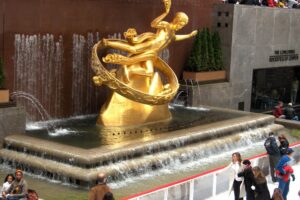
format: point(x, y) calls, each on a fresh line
point(261, 187)
point(284, 144)
point(248, 179)
point(273, 152)
point(236, 183)
point(284, 171)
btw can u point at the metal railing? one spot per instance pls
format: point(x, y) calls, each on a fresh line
point(206, 185)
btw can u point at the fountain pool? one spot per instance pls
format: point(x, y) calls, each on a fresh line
point(78, 150)
point(83, 132)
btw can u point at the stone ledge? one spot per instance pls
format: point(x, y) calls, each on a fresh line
point(101, 156)
point(12, 121)
point(86, 177)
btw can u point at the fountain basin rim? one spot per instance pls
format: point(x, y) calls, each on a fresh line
point(89, 175)
point(80, 156)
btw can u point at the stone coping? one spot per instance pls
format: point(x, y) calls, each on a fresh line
point(288, 123)
point(112, 153)
point(86, 177)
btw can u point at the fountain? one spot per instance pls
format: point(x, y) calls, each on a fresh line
point(112, 143)
point(38, 60)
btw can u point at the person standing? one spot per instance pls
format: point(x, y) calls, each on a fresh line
point(18, 188)
point(284, 144)
point(248, 179)
point(99, 191)
point(284, 171)
point(273, 153)
point(237, 183)
point(261, 187)
point(295, 83)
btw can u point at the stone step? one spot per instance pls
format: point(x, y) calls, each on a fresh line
point(101, 156)
point(86, 176)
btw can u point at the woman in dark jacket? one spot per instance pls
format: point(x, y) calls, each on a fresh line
point(248, 179)
point(284, 144)
point(261, 187)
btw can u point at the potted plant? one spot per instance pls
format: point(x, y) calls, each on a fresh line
point(205, 63)
point(4, 93)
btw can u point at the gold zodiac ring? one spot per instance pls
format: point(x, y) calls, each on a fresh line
point(103, 76)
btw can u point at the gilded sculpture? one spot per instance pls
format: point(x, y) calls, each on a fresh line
point(139, 95)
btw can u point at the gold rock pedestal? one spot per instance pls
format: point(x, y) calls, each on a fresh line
point(121, 111)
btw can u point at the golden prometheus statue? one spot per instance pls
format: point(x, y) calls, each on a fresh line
point(139, 95)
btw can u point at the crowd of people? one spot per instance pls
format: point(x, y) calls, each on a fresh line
point(250, 182)
point(269, 3)
point(285, 113)
point(15, 188)
point(279, 158)
point(245, 180)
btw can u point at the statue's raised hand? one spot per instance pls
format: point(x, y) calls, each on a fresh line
point(167, 5)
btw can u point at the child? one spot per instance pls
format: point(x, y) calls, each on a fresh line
point(7, 182)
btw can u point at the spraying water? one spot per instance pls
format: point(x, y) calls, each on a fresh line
point(84, 93)
point(38, 69)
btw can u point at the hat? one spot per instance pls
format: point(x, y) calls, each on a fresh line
point(290, 104)
point(289, 151)
point(246, 162)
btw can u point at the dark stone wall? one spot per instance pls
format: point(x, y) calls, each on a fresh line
point(66, 17)
point(12, 121)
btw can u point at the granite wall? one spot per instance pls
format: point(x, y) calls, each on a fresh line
point(253, 38)
point(12, 121)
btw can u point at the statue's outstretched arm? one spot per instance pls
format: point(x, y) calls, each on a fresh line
point(183, 37)
point(156, 22)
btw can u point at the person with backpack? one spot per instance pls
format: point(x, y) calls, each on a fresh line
point(284, 172)
point(273, 153)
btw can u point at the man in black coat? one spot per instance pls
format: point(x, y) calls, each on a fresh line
point(248, 179)
point(273, 152)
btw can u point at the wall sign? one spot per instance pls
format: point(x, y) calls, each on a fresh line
point(283, 55)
